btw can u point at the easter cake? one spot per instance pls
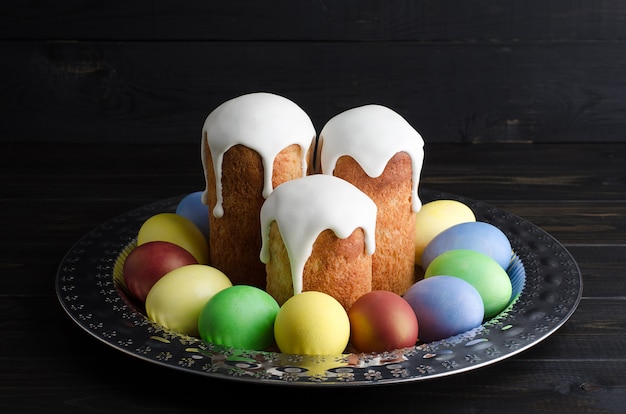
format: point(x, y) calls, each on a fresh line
point(378, 151)
point(250, 145)
point(318, 234)
point(253, 143)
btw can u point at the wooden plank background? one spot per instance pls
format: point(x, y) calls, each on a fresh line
point(459, 71)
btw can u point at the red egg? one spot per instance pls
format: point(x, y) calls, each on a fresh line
point(148, 262)
point(381, 321)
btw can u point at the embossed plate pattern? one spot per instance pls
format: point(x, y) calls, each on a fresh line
point(547, 287)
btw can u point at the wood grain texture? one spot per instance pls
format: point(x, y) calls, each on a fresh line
point(351, 20)
point(144, 92)
point(459, 72)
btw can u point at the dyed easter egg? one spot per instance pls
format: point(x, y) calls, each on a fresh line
point(147, 263)
point(239, 316)
point(176, 229)
point(481, 271)
point(192, 207)
point(477, 235)
point(381, 320)
point(312, 323)
point(176, 299)
point(433, 218)
point(444, 306)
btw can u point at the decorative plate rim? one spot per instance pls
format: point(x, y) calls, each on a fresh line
point(551, 292)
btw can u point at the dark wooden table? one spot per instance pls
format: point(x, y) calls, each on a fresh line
point(54, 194)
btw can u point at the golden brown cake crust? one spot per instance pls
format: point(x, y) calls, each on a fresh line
point(338, 267)
point(393, 262)
point(235, 238)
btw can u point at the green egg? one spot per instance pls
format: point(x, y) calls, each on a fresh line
point(481, 271)
point(241, 317)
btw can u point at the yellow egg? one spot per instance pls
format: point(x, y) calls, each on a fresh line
point(312, 323)
point(176, 300)
point(175, 229)
point(436, 216)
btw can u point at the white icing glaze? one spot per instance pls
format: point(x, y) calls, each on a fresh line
point(305, 207)
point(264, 122)
point(372, 135)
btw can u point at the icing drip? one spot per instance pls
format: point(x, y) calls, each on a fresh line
point(305, 207)
point(264, 122)
point(372, 135)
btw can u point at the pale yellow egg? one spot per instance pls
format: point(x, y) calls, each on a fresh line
point(176, 300)
point(436, 216)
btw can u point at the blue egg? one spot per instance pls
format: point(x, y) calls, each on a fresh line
point(445, 306)
point(191, 207)
point(478, 236)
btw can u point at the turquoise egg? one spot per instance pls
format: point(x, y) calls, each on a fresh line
point(479, 236)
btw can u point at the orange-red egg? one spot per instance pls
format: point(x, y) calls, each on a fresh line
point(381, 321)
